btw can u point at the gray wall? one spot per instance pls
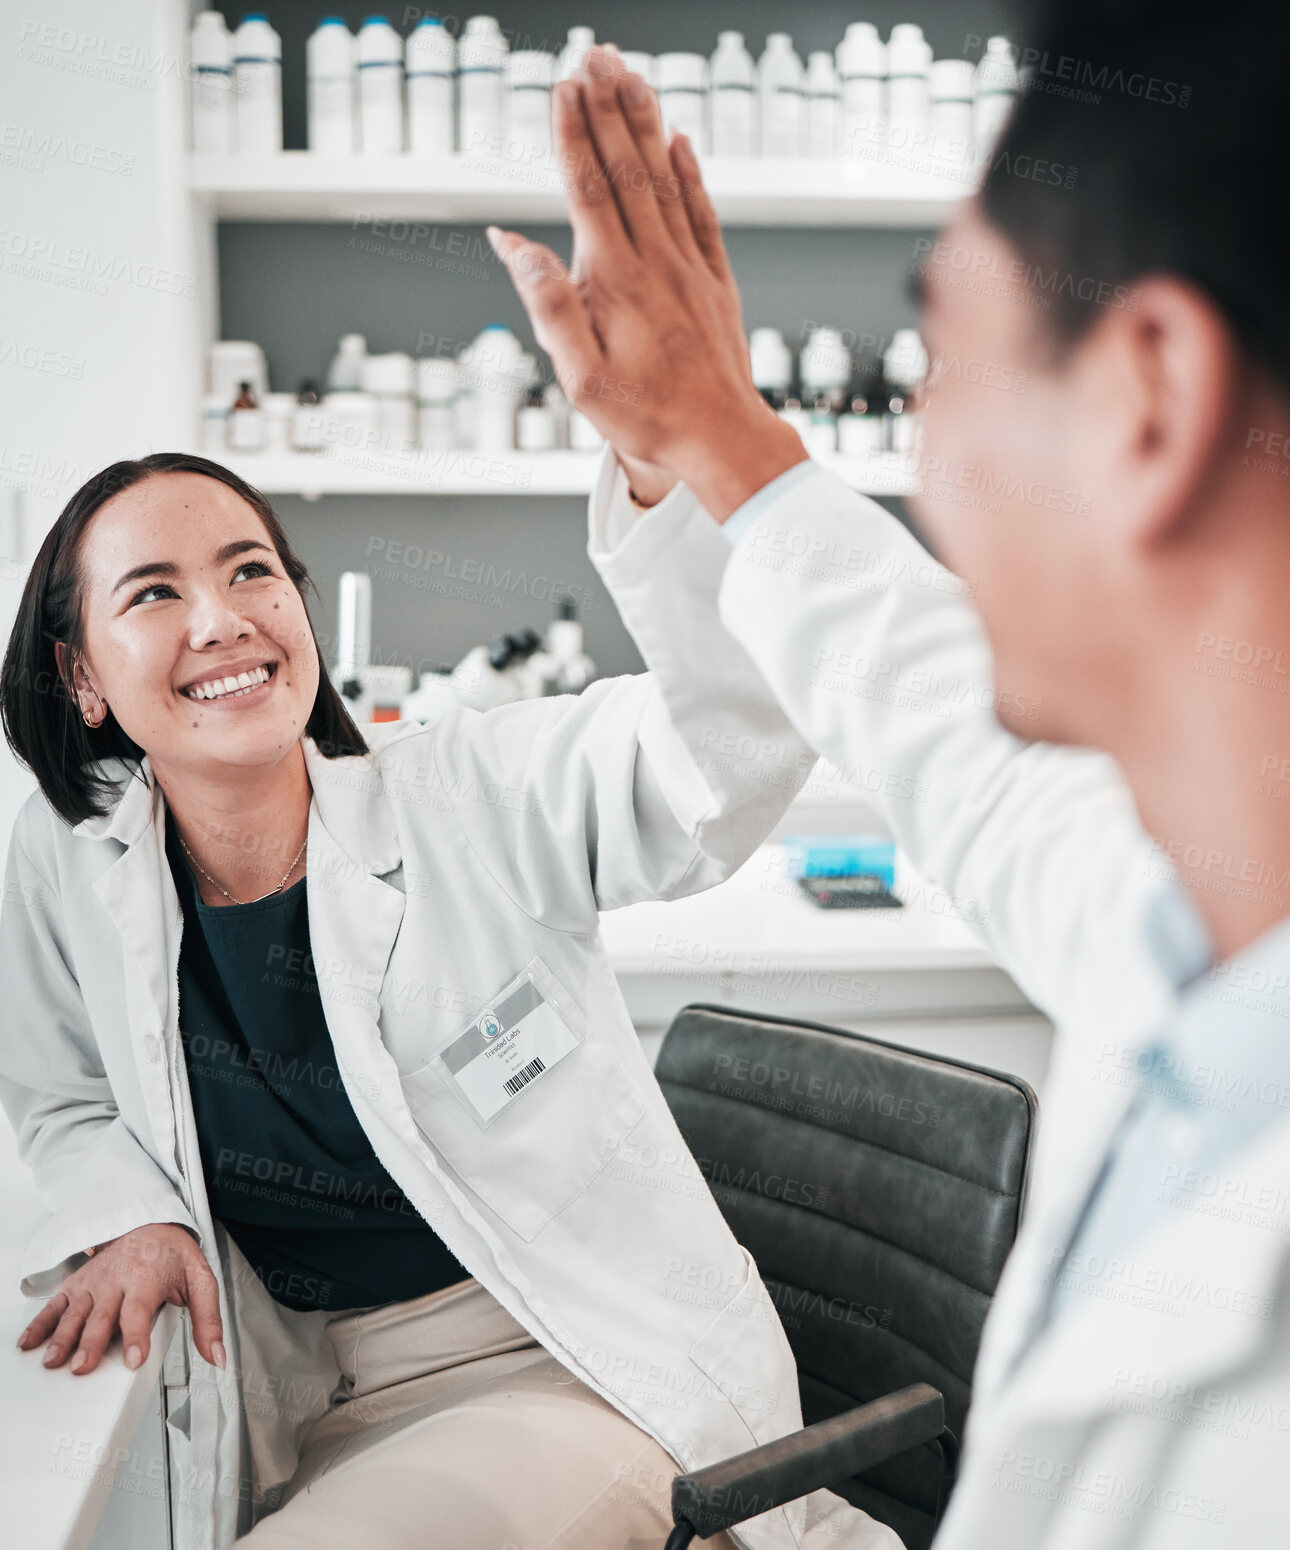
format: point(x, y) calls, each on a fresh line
point(297, 288)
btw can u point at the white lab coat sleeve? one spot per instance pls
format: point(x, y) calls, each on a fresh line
point(881, 662)
point(94, 1179)
point(646, 786)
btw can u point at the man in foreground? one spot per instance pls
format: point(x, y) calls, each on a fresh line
point(1134, 1383)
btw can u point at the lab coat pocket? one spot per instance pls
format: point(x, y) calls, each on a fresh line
point(737, 1349)
point(528, 1159)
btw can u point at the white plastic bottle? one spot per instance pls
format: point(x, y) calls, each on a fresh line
point(380, 88)
point(995, 91)
point(437, 384)
point(683, 96)
point(772, 366)
point(950, 115)
point(498, 372)
point(904, 365)
point(823, 114)
point(431, 66)
point(345, 374)
point(481, 92)
point(389, 379)
point(246, 421)
point(734, 98)
point(211, 56)
point(579, 43)
point(257, 85)
point(782, 100)
point(826, 373)
point(862, 72)
point(909, 62)
point(530, 75)
point(535, 423)
point(329, 66)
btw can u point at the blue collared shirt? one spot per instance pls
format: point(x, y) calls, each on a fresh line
point(1206, 1085)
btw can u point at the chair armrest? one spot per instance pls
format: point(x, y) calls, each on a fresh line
point(712, 1499)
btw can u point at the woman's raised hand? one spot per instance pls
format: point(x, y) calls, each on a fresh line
point(646, 333)
point(122, 1286)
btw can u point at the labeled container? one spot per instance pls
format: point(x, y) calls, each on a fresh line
point(257, 85)
point(909, 63)
point(211, 62)
point(481, 103)
point(279, 412)
point(331, 98)
point(683, 96)
point(862, 76)
point(390, 379)
point(823, 106)
point(430, 64)
point(950, 88)
point(345, 374)
point(781, 89)
point(530, 75)
point(733, 98)
point(498, 371)
point(229, 363)
point(438, 379)
point(380, 88)
point(580, 42)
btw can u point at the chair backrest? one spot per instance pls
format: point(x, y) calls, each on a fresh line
point(879, 1190)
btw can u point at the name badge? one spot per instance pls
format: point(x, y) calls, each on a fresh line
point(509, 1046)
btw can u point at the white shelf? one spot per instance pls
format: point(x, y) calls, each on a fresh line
point(343, 472)
point(357, 190)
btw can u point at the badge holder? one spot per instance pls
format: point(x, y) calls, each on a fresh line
point(525, 1031)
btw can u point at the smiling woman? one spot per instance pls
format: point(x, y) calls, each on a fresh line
point(95, 663)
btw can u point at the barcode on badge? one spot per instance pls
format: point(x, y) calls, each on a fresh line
point(524, 1075)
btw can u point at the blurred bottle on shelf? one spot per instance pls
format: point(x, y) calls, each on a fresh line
point(211, 60)
point(683, 97)
point(246, 421)
point(331, 101)
point(530, 75)
point(862, 72)
point(257, 85)
point(430, 65)
point(733, 98)
point(480, 87)
point(380, 88)
point(781, 96)
point(823, 107)
point(904, 365)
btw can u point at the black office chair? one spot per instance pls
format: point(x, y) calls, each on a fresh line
point(865, 1177)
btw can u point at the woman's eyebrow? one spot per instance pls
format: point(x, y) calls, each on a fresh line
point(169, 568)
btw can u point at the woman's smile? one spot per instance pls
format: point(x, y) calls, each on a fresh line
point(234, 689)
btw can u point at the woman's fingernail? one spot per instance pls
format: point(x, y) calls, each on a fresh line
point(218, 1350)
point(52, 1355)
point(133, 1357)
point(79, 1361)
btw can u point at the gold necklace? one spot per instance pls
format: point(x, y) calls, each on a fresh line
point(225, 891)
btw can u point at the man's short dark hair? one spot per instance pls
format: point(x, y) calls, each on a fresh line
point(1172, 118)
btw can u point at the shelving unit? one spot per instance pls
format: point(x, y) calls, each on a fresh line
point(303, 186)
point(342, 471)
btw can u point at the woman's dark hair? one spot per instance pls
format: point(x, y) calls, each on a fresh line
point(1149, 141)
point(42, 720)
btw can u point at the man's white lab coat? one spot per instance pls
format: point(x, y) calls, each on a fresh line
point(438, 868)
point(1158, 1416)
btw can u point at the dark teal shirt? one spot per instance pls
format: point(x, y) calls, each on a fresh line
point(289, 1169)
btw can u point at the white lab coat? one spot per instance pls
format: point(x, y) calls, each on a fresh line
point(438, 869)
point(881, 662)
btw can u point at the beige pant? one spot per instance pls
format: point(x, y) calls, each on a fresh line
point(457, 1431)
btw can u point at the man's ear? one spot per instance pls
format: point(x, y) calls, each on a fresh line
point(1176, 374)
